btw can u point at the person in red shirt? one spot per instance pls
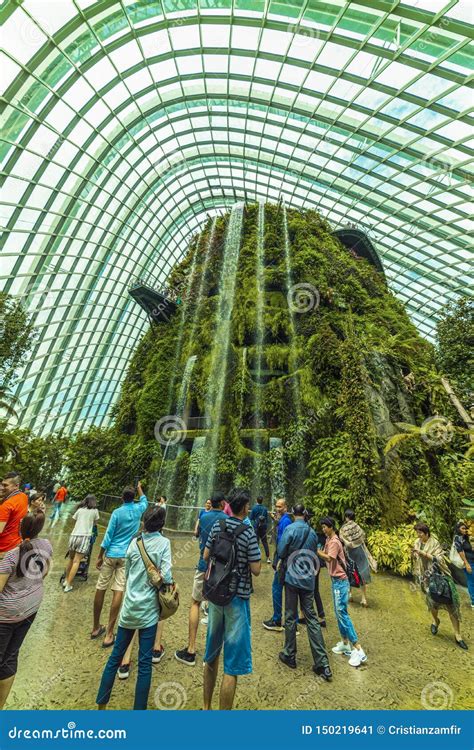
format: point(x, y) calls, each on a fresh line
point(58, 500)
point(13, 508)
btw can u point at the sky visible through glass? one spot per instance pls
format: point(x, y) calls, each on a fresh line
point(126, 124)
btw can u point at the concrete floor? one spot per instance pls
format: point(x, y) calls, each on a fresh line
point(407, 668)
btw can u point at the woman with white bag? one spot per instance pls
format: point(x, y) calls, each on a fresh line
point(462, 555)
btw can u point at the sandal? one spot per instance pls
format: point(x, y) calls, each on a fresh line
point(100, 632)
point(108, 645)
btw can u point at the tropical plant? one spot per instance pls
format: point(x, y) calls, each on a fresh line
point(455, 346)
point(393, 549)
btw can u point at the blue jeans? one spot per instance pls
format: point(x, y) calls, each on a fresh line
point(277, 597)
point(146, 638)
point(229, 627)
point(56, 511)
point(470, 584)
point(340, 596)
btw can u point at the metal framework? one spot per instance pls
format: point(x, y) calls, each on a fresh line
point(126, 124)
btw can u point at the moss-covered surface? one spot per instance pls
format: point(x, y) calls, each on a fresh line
point(359, 366)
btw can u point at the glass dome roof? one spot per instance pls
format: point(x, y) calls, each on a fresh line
point(126, 124)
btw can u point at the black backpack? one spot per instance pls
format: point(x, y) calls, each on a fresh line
point(222, 577)
point(439, 589)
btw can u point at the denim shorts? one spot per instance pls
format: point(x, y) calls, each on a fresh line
point(230, 627)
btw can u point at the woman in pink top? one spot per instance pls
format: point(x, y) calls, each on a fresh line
point(335, 559)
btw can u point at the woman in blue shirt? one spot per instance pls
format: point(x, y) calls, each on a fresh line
point(140, 609)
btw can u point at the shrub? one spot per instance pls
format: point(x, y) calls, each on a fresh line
point(392, 549)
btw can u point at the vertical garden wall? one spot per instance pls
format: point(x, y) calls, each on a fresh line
point(288, 368)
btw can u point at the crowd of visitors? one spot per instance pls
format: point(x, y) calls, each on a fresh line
point(135, 563)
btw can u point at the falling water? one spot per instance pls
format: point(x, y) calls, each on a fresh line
point(220, 351)
point(197, 467)
point(276, 468)
point(202, 282)
point(293, 354)
point(242, 384)
point(257, 468)
point(179, 342)
point(180, 409)
point(182, 321)
point(184, 388)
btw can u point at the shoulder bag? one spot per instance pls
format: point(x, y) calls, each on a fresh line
point(167, 593)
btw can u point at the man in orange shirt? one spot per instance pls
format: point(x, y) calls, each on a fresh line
point(13, 507)
point(59, 498)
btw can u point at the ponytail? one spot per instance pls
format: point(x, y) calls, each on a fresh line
point(30, 527)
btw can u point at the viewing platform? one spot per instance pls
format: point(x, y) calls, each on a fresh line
point(159, 304)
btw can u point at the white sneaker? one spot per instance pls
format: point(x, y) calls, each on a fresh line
point(342, 648)
point(67, 589)
point(205, 620)
point(358, 657)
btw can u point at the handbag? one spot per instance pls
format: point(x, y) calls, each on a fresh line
point(455, 558)
point(373, 564)
point(352, 572)
point(438, 585)
point(167, 593)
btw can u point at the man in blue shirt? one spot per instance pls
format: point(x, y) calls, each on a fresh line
point(123, 526)
point(259, 518)
point(188, 655)
point(283, 520)
point(297, 549)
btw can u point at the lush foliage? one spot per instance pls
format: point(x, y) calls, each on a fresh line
point(331, 382)
point(392, 549)
point(38, 460)
point(16, 335)
point(455, 334)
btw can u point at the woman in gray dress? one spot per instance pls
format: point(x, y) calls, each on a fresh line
point(353, 539)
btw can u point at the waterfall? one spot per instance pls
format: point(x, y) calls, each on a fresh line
point(202, 281)
point(184, 388)
point(293, 354)
point(180, 335)
point(181, 406)
point(220, 351)
point(198, 465)
point(260, 279)
point(276, 468)
point(242, 385)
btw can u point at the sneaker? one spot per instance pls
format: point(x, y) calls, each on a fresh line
point(322, 623)
point(185, 657)
point(272, 625)
point(324, 672)
point(67, 588)
point(301, 621)
point(286, 660)
point(123, 672)
point(157, 655)
point(205, 620)
point(342, 648)
point(269, 562)
point(357, 657)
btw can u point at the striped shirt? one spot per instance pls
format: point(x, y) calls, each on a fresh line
point(247, 551)
point(21, 597)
